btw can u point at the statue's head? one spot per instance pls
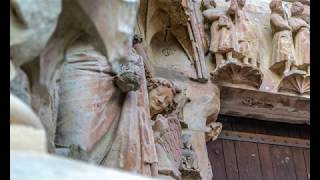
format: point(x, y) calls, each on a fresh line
point(161, 96)
point(276, 6)
point(297, 8)
point(186, 141)
point(241, 3)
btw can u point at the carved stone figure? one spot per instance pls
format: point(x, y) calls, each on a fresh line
point(301, 35)
point(213, 131)
point(123, 84)
point(232, 45)
point(282, 49)
point(247, 39)
point(167, 128)
point(112, 128)
point(297, 80)
point(223, 42)
point(31, 25)
point(189, 163)
point(167, 132)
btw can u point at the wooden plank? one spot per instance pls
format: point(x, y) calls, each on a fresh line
point(295, 131)
point(264, 154)
point(230, 159)
point(265, 161)
point(215, 153)
point(248, 160)
point(264, 139)
point(282, 163)
point(299, 163)
point(306, 153)
point(278, 129)
point(305, 132)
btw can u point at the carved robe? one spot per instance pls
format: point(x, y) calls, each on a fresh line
point(243, 34)
point(111, 127)
point(223, 36)
point(301, 33)
point(282, 43)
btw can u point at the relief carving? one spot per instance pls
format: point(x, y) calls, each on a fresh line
point(179, 19)
point(82, 84)
point(27, 40)
point(166, 108)
point(213, 131)
point(291, 47)
point(297, 80)
point(234, 46)
point(189, 163)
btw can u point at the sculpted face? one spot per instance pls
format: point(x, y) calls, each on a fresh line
point(160, 99)
point(241, 3)
point(297, 8)
point(276, 6)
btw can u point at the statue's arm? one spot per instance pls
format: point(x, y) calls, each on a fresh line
point(279, 23)
point(296, 24)
point(212, 15)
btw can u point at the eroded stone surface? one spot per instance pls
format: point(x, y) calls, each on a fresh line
point(128, 87)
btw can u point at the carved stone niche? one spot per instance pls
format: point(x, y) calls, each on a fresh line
point(234, 46)
point(291, 47)
point(178, 20)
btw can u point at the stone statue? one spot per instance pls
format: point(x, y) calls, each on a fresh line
point(291, 47)
point(301, 36)
point(282, 49)
point(110, 127)
point(245, 34)
point(232, 43)
point(224, 43)
point(97, 84)
point(31, 25)
point(189, 163)
point(167, 128)
point(213, 131)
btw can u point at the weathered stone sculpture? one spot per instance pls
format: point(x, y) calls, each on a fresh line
point(179, 19)
point(224, 40)
point(111, 127)
point(301, 32)
point(298, 79)
point(124, 83)
point(167, 128)
point(213, 131)
point(32, 23)
point(282, 49)
point(233, 47)
point(189, 164)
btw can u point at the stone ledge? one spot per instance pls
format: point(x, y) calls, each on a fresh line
point(269, 106)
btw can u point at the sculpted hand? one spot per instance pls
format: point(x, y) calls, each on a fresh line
point(128, 81)
point(130, 73)
point(210, 4)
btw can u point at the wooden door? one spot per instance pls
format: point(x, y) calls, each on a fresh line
point(256, 150)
